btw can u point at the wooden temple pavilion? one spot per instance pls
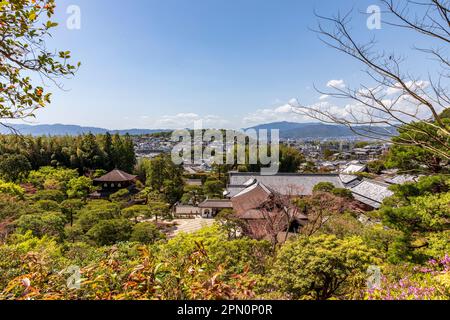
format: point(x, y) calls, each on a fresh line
point(112, 182)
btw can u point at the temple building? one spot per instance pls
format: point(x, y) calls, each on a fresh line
point(265, 213)
point(113, 182)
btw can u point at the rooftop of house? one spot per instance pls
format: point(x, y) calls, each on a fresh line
point(293, 184)
point(371, 193)
point(251, 198)
point(116, 176)
point(402, 179)
point(348, 179)
point(354, 168)
point(216, 203)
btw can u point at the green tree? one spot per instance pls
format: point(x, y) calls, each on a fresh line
point(173, 190)
point(117, 151)
point(146, 232)
point(90, 153)
point(213, 188)
point(95, 211)
point(192, 194)
point(49, 223)
point(321, 267)
point(420, 212)
point(47, 205)
point(11, 207)
point(54, 195)
point(14, 167)
point(376, 166)
point(62, 176)
point(428, 213)
point(418, 206)
point(290, 159)
point(165, 177)
point(342, 193)
point(157, 173)
point(415, 157)
point(136, 211)
point(80, 187)
point(108, 150)
point(233, 256)
point(70, 208)
point(128, 155)
point(323, 187)
point(158, 209)
point(108, 232)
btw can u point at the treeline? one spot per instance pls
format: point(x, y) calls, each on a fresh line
point(84, 153)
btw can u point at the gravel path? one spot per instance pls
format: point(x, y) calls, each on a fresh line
point(190, 225)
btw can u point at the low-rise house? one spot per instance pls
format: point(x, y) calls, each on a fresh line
point(194, 182)
point(188, 211)
point(211, 207)
point(206, 209)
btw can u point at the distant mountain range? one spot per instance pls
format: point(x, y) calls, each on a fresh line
point(292, 130)
point(288, 130)
point(71, 130)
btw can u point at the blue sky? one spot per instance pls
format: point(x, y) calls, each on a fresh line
point(232, 63)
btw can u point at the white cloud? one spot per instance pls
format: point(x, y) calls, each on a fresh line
point(185, 120)
point(336, 84)
point(413, 85)
point(285, 112)
point(289, 111)
point(287, 108)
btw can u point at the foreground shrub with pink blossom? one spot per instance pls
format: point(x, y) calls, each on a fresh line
point(430, 282)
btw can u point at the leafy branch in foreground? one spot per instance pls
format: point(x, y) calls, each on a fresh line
point(24, 27)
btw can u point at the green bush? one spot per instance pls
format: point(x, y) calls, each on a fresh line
point(47, 224)
point(60, 176)
point(96, 211)
point(108, 232)
point(79, 188)
point(343, 193)
point(321, 267)
point(323, 187)
point(11, 189)
point(146, 232)
point(54, 195)
point(136, 211)
point(120, 196)
point(47, 205)
point(14, 167)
